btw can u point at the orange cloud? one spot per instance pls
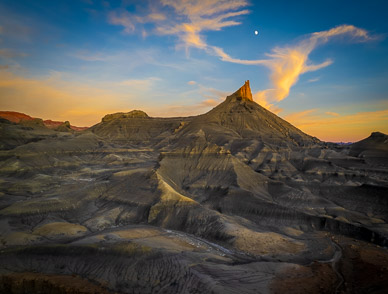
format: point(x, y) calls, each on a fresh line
point(139, 83)
point(332, 113)
point(288, 63)
point(298, 117)
point(334, 127)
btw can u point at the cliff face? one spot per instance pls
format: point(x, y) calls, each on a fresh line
point(244, 93)
point(236, 200)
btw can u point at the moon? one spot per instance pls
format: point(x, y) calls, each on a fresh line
point(256, 32)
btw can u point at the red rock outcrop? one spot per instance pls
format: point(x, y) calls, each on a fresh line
point(17, 117)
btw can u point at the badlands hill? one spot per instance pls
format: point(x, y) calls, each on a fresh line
point(236, 200)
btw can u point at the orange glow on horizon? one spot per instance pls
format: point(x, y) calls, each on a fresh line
point(84, 105)
point(340, 128)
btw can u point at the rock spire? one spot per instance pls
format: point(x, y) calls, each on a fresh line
point(244, 92)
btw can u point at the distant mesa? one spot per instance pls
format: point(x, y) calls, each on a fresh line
point(131, 114)
point(21, 118)
point(15, 117)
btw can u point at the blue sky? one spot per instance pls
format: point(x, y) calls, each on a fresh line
point(322, 65)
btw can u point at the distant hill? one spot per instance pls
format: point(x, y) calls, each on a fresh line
point(16, 117)
point(373, 149)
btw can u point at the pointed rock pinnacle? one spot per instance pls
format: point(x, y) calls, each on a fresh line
point(244, 92)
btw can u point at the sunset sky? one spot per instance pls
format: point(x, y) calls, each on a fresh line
point(321, 65)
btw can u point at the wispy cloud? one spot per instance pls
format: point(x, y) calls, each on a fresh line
point(200, 16)
point(193, 18)
point(313, 80)
point(130, 20)
point(298, 116)
point(188, 22)
point(139, 83)
point(289, 62)
point(124, 19)
point(332, 113)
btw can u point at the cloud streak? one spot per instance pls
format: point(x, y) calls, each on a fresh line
point(288, 63)
point(139, 83)
point(200, 16)
point(130, 20)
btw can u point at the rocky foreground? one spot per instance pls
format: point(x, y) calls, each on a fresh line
point(236, 200)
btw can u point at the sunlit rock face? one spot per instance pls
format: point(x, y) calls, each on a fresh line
point(26, 120)
point(244, 93)
point(233, 200)
point(131, 114)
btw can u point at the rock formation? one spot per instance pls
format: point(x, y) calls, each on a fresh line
point(235, 200)
point(17, 117)
point(131, 114)
point(14, 116)
point(244, 93)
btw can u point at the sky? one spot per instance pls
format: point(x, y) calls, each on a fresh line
point(321, 65)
